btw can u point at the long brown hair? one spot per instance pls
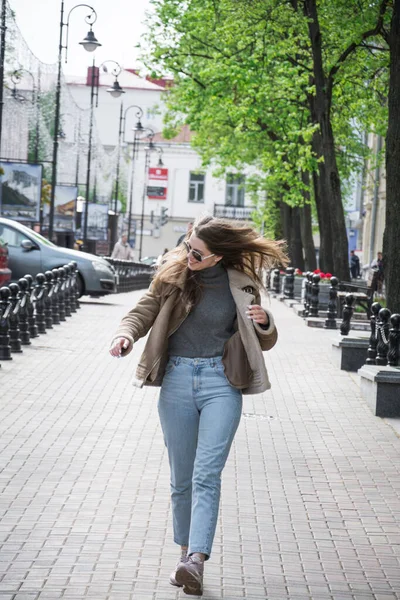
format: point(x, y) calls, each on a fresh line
point(240, 245)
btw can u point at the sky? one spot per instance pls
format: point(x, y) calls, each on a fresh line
point(118, 28)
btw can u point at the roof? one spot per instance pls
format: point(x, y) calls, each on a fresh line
point(184, 136)
point(126, 78)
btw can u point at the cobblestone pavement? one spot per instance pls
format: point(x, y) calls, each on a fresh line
point(310, 505)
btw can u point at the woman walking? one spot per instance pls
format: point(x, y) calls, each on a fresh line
point(208, 331)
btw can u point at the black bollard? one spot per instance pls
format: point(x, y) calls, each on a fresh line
point(40, 296)
point(55, 308)
point(394, 341)
point(24, 298)
point(67, 296)
point(33, 330)
point(48, 302)
point(275, 281)
point(5, 309)
point(314, 301)
point(76, 289)
point(72, 287)
point(330, 321)
point(382, 346)
point(373, 338)
point(61, 287)
point(347, 314)
point(306, 299)
point(289, 283)
point(15, 334)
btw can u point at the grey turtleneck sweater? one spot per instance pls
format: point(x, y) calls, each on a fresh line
point(210, 323)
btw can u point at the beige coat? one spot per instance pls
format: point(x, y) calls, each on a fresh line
point(122, 251)
point(161, 311)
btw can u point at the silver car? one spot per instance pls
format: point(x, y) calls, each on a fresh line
point(30, 252)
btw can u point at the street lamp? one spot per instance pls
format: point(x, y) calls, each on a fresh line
point(150, 148)
point(122, 137)
point(16, 77)
point(90, 44)
point(3, 28)
point(116, 91)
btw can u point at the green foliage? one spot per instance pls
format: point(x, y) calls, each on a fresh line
point(243, 82)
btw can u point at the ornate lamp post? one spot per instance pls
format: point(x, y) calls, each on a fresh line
point(122, 138)
point(116, 91)
point(150, 148)
point(90, 44)
point(3, 28)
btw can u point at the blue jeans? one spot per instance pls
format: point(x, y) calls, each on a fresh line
point(199, 413)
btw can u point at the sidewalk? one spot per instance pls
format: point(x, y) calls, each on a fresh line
point(311, 493)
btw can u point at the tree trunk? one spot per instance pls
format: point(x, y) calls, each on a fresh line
point(328, 170)
point(306, 228)
point(285, 223)
point(290, 219)
point(297, 246)
point(324, 223)
point(391, 245)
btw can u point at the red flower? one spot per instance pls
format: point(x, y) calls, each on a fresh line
point(328, 275)
point(317, 272)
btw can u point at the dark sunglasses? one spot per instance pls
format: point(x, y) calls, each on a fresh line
point(195, 253)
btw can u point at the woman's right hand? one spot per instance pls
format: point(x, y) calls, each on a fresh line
point(118, 345)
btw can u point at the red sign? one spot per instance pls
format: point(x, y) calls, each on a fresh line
point(157, 174)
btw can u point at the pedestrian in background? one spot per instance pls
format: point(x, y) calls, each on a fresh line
point(378, 273)
point(208, 331)
point(122, 249)
point(354, 265)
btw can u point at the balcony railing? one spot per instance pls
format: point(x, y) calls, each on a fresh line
point(233, 212)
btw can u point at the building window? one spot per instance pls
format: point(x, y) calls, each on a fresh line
point(196, 187)
point(234, 190)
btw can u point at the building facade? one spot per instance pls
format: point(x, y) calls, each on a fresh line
point(190, 190)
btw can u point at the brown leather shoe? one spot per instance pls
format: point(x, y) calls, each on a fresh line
point(190, 576)
point(183, 559)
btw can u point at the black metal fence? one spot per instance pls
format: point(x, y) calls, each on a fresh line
point(131, 275)
point(384, 341)
point(32, 306)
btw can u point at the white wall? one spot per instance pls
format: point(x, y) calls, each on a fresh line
point(107, 112)
point(180, 159)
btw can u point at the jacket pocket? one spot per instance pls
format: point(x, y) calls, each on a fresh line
point(237, 367)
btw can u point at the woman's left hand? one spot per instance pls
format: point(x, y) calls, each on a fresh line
point(257, 314)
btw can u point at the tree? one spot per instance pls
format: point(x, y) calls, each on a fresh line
point(391, 243)
point(266, 83)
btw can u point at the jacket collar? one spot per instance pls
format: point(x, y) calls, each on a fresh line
point(240, 280)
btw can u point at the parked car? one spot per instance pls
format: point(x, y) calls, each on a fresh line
point(30, 252)
point(5, 273)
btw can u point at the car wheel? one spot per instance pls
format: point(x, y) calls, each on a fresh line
point(80, 285)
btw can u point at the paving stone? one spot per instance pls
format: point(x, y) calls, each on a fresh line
point(310, 504)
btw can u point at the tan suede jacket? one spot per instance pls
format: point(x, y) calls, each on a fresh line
point(161, 310)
